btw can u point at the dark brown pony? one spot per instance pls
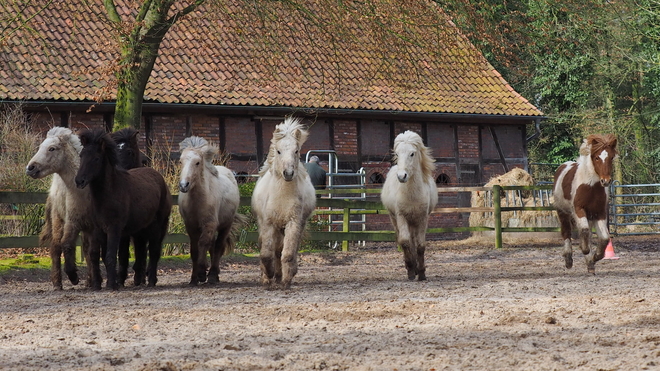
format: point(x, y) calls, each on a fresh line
point(129, 157)
point(581, 194)
point(134, 203)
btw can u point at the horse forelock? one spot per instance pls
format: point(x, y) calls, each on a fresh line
point(292, 126)
point(207, 151)
point(98, 137)
point(65, 135)
point(125, 135)
point(427, 162)
point(599, 143)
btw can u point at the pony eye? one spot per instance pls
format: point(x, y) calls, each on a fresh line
point(197, 164)
point(279, 153)
point(412, 154)
point(51, 149)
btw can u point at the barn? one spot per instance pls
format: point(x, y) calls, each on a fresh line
point(231, 79)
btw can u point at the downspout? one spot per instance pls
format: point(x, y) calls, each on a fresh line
point(537, 133)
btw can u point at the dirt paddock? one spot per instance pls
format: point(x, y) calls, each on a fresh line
point(516, 308)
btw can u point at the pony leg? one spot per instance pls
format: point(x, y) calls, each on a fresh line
point(124, 253)
point(289, 259)
point(55, 250)
point(194, 253)
point(155, 251)
point(140, 265)
point(206, 244)
point(69, 251)
point(114, 240)
point(86, 243)
point(404, 239)
point(269, 240)
point(217, 252)
point(565, 225)
point(603, 239)
point(98, 245)
point(584, 228)
point(420, 243)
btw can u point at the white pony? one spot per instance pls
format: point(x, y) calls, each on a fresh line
point(410, 195)
point(282, 201)
point(208, 202)
point(68, 208)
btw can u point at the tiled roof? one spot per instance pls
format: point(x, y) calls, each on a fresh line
point(65, 55)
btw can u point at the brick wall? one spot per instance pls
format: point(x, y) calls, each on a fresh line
point(345, 139)
point(468, 142)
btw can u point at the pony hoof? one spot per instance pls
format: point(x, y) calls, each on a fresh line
point(212, 280)
point(568, 260)
point(57, 288)
point(411, 275)
point(421, 277)
point(74, 278)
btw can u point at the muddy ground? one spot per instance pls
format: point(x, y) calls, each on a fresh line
point(516, 308)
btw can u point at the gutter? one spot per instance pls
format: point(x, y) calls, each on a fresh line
point(150, 107)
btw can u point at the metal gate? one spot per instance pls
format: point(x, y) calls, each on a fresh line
point(634, 209)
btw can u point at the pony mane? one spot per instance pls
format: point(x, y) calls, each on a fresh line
point(65, 135)
point(596, 143)
point(290, 127)
point(427, 161)
point(101, 138)
point(204, 148)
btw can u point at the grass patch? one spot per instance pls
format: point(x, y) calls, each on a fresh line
point(26, 266)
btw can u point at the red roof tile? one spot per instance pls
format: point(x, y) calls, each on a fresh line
point(236, 64)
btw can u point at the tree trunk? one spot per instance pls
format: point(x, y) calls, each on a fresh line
point(132, 80)
point(139, 49)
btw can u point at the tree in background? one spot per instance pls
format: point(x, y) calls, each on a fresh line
point(591, 66)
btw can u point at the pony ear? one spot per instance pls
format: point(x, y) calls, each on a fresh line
point(135, 134)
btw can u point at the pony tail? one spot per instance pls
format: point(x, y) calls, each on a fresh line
point(239, 221)
point(46, 235)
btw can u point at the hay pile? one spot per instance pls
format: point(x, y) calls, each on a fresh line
point(515, 177)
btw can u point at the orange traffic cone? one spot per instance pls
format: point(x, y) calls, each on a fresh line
point(609, 252)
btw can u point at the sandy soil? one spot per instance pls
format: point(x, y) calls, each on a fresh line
point(516, 308)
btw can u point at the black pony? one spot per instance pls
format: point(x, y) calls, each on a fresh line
point(134, 203)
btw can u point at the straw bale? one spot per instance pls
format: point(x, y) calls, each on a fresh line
point(515, 177)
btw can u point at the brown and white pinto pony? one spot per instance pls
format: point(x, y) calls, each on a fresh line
point(581, 194)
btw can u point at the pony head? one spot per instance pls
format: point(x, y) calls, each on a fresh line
point(128, 150)
point(284, 153)
point(99, 151)
point(60, 149)
point(196, 157)
point(412, 156)
point(601, 150)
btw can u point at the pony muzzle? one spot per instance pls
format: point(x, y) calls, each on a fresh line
point(184, 186)
point(288, 175)
point(605, 182)
point(32, 171)
point(402, 176)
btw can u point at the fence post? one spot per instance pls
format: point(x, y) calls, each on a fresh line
point(346, 227)
point(497, 216)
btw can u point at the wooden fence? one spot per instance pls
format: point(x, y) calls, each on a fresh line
point(345, 207)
